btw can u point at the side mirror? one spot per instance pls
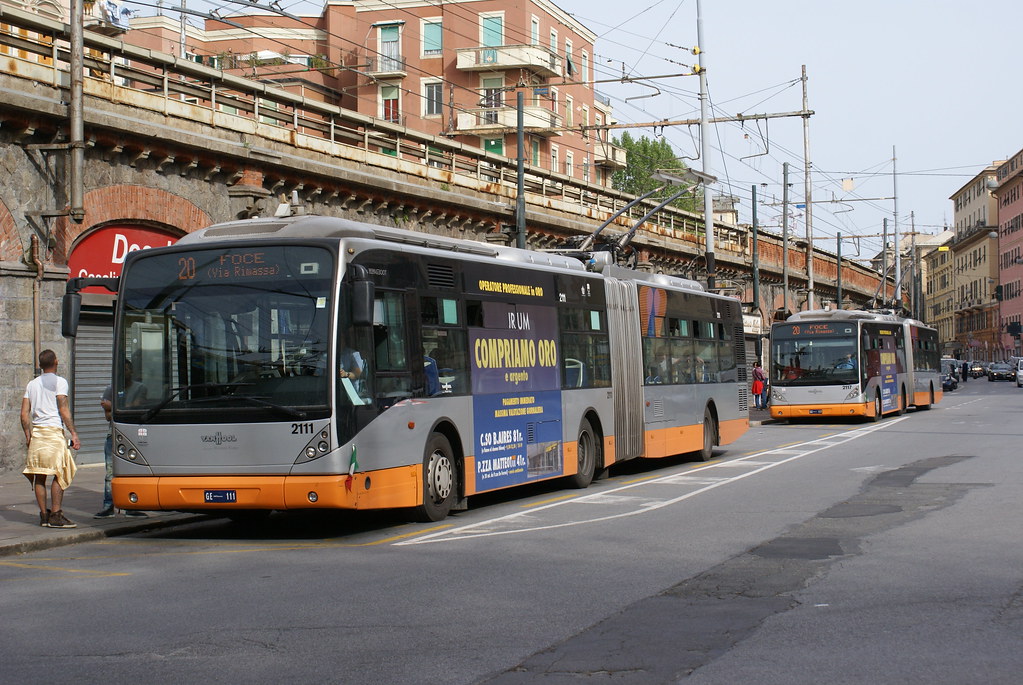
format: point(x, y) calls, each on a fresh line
point(71, 312)
point(71, 304)
point(363, 294)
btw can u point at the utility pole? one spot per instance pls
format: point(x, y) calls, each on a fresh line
point(76, 113)
point(758, 350)
point(785, 235)
point(838, 273)
point(884, 262)
point(895, 231)
point(520, 198)
point(708, 199)
point(807, 192)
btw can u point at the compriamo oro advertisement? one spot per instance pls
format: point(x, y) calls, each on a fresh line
point(517, 401)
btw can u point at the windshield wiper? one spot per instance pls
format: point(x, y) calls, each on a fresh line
point(174, 392)
point(288, 411)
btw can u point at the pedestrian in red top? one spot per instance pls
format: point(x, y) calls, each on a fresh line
point(759, 387)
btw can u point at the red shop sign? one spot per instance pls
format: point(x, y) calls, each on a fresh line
point(101, 253)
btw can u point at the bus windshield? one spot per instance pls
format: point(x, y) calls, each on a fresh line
point(831, 360)
point(226, 335)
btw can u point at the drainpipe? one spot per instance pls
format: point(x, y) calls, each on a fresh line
point(36, 289)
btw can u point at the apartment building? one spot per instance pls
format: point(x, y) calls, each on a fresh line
point(975, 268)
point(940, 294)
point(445, 68)
point(1009, 194)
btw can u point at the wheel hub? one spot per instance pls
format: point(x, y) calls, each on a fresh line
point(440, 477)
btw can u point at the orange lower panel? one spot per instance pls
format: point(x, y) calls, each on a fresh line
point(922, 399)
point(732, 430)
point(799, 411)
point(387, 489)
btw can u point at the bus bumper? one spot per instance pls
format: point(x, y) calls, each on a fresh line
point(390, 488)
point(807, 411)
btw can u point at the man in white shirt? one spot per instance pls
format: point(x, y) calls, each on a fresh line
point(45, 413)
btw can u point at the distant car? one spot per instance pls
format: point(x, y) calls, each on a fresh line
point(976, 369)
point(1001, 372)
point(1019, 373)
point(951, 367)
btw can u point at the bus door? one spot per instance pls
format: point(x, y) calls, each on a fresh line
point(626, 367)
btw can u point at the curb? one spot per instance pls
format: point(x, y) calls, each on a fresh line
point(90, 534)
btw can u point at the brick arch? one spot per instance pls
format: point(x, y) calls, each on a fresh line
point(130, 204)
point(11, 247)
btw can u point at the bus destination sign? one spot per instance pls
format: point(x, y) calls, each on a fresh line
point(816, 329)
point(230, 266)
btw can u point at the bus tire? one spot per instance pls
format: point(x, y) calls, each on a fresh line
point(930, 401)
point(586, 453)
point(903, 402)
point(440, 480)
point(710, 435)
point(877, 408)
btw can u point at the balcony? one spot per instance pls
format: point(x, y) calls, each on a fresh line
point(609, 156)
point(386, 67)
point(536, 58)
point(499, 120)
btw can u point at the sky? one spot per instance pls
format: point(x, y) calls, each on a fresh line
point(911, 99)
point(928, 84)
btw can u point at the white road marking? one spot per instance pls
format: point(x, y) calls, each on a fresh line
point(790, 453)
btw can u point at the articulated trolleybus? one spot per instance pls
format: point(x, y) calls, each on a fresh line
point(852, 363)
point(313, 362)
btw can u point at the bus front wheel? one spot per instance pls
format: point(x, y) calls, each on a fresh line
point(710, 434)
point(440, 480)
point(586, 451)
point(877, 408)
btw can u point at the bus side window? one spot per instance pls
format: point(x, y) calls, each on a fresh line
point(390, 357)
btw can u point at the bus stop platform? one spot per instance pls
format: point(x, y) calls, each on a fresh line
point(19, 514)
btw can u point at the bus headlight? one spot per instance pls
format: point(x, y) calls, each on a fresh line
point(778, 394)
point(854, 394)
point(323, 446)
point(121, 449)
point(310, 452)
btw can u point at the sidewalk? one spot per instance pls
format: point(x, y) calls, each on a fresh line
point(19, 514)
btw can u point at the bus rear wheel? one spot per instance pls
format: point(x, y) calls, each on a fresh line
point(710, 435)
point(924, 407)
point(440, 480)
point(586, 452)
point(904, 402)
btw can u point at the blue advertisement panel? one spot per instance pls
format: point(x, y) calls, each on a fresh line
point(518, 438)
point(516, 395)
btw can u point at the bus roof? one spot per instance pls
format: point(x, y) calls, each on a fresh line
point(319, 227)
point(851, 315)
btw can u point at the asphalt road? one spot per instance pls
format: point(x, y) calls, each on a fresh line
point(808, 553)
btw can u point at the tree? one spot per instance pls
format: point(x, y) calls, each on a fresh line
point(645, 156)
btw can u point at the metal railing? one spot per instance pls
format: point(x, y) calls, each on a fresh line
point(36, 49)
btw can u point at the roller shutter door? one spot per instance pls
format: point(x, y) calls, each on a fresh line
point(93, 357)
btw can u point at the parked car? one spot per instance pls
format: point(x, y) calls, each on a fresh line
point(1001, 372)
point(951, 367)
point(976, 369)
point(1019, 373)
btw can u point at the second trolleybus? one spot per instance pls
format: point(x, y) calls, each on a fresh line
point(313, 362)
point(852, 363)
